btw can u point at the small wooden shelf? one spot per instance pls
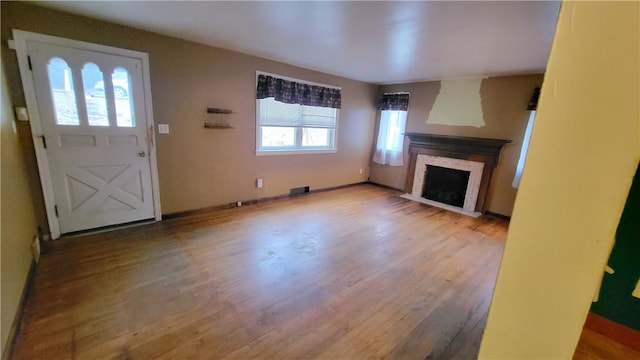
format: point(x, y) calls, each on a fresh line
point(218, 126)
point(219, 111)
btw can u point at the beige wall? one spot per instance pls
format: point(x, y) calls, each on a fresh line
point(17, 214)
point(201, 167)
point(583, 154)
point(504, 103)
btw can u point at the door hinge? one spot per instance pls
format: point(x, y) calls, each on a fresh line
point(29, 60)
point(44, 141)
point(55, 207)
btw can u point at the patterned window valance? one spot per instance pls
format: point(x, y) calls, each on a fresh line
point(291, 92)
point(533, 103)
point(396, 101)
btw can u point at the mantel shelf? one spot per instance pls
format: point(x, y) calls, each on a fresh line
point(455, 141)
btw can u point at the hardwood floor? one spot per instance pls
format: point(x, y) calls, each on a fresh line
point(594, 346)
point(351, 273)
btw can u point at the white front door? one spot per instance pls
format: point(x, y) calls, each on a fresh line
point(94, 130)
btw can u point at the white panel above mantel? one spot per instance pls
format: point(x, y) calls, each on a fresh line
point(458, 104)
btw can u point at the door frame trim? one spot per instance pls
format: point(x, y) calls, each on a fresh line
point(20, 38)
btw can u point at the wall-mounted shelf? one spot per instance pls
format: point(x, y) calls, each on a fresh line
point(219, 111)
point(218, 126)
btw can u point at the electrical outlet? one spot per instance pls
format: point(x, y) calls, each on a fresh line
point(360, 171)
point(163, 128)
point(259, 183)
point(239, 203)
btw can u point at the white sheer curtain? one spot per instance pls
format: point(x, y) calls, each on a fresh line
point(523, 150)
point(390, 144)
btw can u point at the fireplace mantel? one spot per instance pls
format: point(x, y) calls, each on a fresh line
point(486, 151)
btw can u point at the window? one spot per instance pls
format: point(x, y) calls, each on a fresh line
point(295, 127)
point(124, 101)
point(96, 103)
point(393, 120)
point(308, 124)
point(523, 150)
point(390, 143)
point(63, 92)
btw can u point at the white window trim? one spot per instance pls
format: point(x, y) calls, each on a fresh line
point(294, 151)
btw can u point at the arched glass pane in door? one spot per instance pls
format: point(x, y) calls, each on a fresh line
point(93, 83)
point(62, 92)
point(125, 116)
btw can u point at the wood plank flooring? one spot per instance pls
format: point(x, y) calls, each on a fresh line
point(594, 346)
point(351, 273)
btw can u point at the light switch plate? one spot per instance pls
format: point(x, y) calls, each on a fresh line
point(21, 113)
point(163, 128)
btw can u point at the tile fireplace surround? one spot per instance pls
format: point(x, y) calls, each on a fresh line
point(479, 156)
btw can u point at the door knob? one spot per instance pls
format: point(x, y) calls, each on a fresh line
point(142, 154)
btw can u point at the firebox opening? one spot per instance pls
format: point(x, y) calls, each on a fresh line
point(445, 185)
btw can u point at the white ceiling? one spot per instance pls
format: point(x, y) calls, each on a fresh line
point(377, 42)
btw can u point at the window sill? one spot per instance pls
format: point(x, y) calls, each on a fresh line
point(295, 152)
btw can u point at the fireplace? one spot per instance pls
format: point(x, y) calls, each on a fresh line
point(451, 171)
point(421, 183)
point(445, 185)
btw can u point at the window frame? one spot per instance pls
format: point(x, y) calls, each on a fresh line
point(398, 114)
point(390, 156)
point(524, 149)
point(297, 148)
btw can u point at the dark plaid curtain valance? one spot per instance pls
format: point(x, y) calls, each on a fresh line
point(397, 101)
point(291, 92)
point(533, 103)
